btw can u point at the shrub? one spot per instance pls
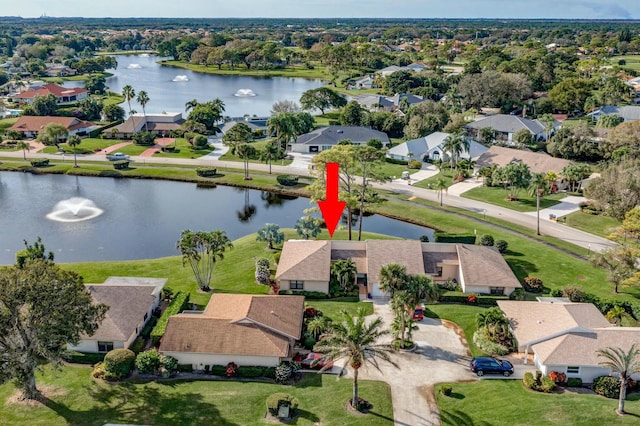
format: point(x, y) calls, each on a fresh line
point(574, 382)
point(556, 292)
point(200, 142)
point(185, 368)
point(533, 284)
point(41, 162)
point(121, 164)
point(309, 342)
point(574, 293)
point(311, 312)
point(306, 294)
point(394, 161)
point(263, 262)
point(486, 240)
point(263, 276)
point(206, 171)
point(472, 299)
point(144, 138)
point(250, 371)
point(83, 357)
point(119, 362)
point(455, 238)
point(176, 306)
point(276, 257)
point(558, 377)
point(528, 381)
point(148, 362)
point(446, 390)
point(137, 346)
point(231, 370)
point(502, 246)
point(424, 238)
point(547, 385)
point(517, 294)
point(414, 164)
point(283, 373)
point(538, 383)
point(608, 386)
point(481, 340)
point(277, 400)
point(287, 180)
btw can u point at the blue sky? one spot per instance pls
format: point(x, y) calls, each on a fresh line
point(565, 9)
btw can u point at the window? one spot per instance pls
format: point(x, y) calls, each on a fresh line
point(573, 369)
point(296, 285)
point(105, 346)
point(496, 290)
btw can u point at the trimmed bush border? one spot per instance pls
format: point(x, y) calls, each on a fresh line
point(176, 306)
point(206, 171)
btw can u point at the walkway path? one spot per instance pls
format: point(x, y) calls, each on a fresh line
point(160, 142)
point(115, 148)
point(464, 186)
point(567, 205)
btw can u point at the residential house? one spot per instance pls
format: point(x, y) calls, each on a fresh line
point(256, 330)
point(306, 265)
point(160, 124)
point(538, 162)
point(565, 336)
point(431, 148)
point(505, 127)
point(389, 103)
point(257, 124)
point(64, 95)
point(390, 70)
point(365, 82)
point(59, 71)
point(628, 113)
point(30, 126)
point(324, 138)
point(131, 303)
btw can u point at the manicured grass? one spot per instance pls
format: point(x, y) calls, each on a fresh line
point(259, 146)
point(132, 149)
point(76, 399)
point(633, 61)
point(507, 402)
point(594, 224)
point(300, 71)
point(87, 146)
point(446, 174)
point(183, 150)
point(333, 308)
point(524, 203)
point(394, 170)
point(463, 315)
point(323, 119)
point(5, 123)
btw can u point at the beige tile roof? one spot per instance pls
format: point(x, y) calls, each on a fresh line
point(538, 162)
point(482, 266)
point(384, 252)
point(305, 260)
point(580, 348)
point(238, 324)
point(127, 306)
point(29, 123)
point(359, 257)
point(536, 321)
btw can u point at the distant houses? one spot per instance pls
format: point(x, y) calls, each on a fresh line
point(64, 95)
point(389, 103)
point(324, 138)
point(628, 113)
point(505, 127)
point(30, 126)
point(159, 124)
point(431, 148)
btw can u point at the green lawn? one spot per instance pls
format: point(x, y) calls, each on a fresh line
point(183, 150)
point(463, 315)
point(394, 170)
point(87, 146)
point(323, 119)
point(507, 402)
point(446, 174)
point(299, 71)
point(594, 224)
point(524, 203)
point(132, 149)
point(74, 398)
point(633, 61)
point(259, 146)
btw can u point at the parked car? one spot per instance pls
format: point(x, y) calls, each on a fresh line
point(418, 313)
point(489, 365)
point(117, 156)
point(317, 361)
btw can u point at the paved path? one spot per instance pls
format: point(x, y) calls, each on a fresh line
point(462, 187)
point(567, 205)
point(114, 148)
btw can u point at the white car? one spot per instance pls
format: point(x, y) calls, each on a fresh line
point(117, 156)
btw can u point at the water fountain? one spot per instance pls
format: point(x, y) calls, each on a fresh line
point(134, 66)
point(180, 78)
point(75, 209)
point(245, 93)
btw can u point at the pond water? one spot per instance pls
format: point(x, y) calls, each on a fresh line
point(170, 88)
point(139, 219)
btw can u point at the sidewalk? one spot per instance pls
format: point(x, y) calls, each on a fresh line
point(459, 188)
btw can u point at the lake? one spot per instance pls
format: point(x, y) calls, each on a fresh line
point(142, 219)
point(170, 88)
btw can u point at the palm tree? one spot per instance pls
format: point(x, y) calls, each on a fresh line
point(318, 325)
point(24, 146)
point(202, 250)
point(455, 144)
point(143, 100)
point(441, 187)
point(190, 105)
point(271, 234)
point(344, 272)
point(356, 341)
point(617, 314)
point(269, 153)
point(283, 126)
point(624, 364)
point(74, 141)
point(129, 94)
point(393, 277)
point(246, 152)
point(536, 187)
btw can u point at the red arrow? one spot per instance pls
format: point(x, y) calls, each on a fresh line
point(331, 208)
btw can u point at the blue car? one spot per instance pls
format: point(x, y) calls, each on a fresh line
point(489, 365)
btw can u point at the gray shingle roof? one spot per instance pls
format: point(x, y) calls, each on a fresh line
point(507, 124)
point(331, 135)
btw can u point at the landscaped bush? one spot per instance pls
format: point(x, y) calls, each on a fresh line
point(528, 380)
point(481, 340)
point(486, 240)
point(263, 262)
point(262, 275)
point(309, 342)
point(185, 368)
point(41, 162)
point(277, 400)
point(206, 171)
point(547, 385)
point(558, 377)
point(144, 138)
point(450, 286)
point(251, 371)
point(517, 294)
point(118, 363)
point(200, 142)
point(502, 246)
point(414, 164)
point(574, 382)
point(137, 346)
point(533, 284)
point(287, 180)
point(276, 257)
point(394, 161)
point(285, 371)
point(608, 386)
point(146, 330)
point(479, 299)
point(121, 164)
point(307, 294)
point(538, 383)
point(446, 390)
point(454, 238)
point(231, 370)
point(168, 363)
point(83, 357)
point(176, 306)
point(574, 293)
point(148, 362)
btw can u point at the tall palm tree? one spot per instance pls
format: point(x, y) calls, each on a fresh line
point(441, 187)
point(74, 141)
point(536, 187)
point(393, 277)
point(201, 250)
point(624, 364)
point(190, 105)
point(356, 341)
point(143, 100)
point(24, 146)
point(455, 144)
point(129, 94)
point(283, 126)
point(269, 153)
point(246, 152)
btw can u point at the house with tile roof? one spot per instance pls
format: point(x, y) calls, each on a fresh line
point(305, 265)
point(324, 138)
point(505, 127)
point(431, 148)
point(131, 303)
point(160, 124)
point(30, 126)
point(256, 330)
point(538, 162)
point(564, 336)
point(64, 95)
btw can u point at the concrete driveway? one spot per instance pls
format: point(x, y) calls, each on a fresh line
point(440, 357)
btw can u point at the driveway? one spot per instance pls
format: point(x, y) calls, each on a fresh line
point(440, 357)
point(566, 205)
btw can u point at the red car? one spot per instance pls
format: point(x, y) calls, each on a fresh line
point(317, 361)
point(418, 313)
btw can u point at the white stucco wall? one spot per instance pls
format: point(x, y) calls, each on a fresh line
point(321, 286)
point(92, 346)
point(199, 360)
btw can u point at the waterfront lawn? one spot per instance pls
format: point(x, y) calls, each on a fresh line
point(507, 402)
point(132, 149)
point(87, 146)
point(463, 315)
point(595, 224)
point(324, 119)
point(183, 150)
point(524, 203)
point(5, 123)
point(429, 183)
point(259, 146)
point(74, 398)
point(299, 71)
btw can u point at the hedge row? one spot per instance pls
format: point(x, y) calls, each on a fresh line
point(394, 161)
point(176, 306)
point(453, 238)
point(42, 162)
point(458, 297)
point(243, 371)
point(206, 171)
point(307, 294)
point(83, 357)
